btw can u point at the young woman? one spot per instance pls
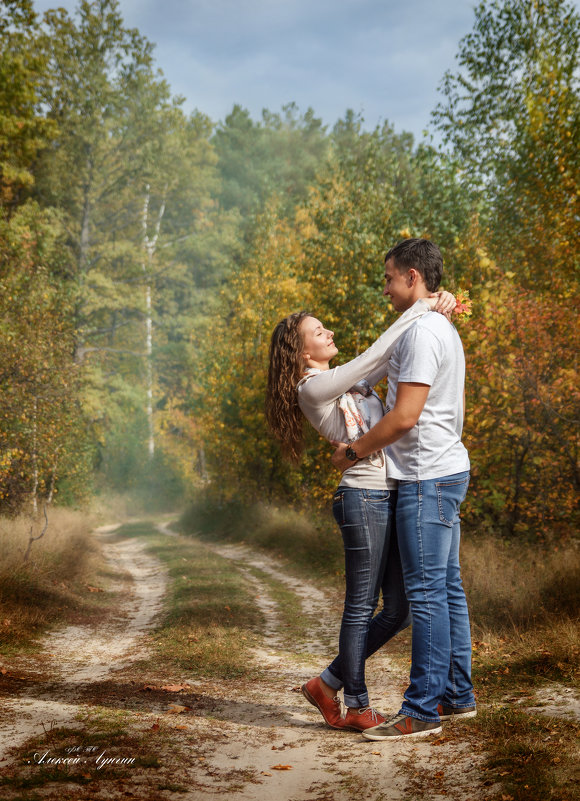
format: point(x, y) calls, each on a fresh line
point(341, 405)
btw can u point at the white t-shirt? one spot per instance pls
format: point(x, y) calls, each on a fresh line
point(430, 352)
point(318, 397)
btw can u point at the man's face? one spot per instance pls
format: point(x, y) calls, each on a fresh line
point(398, 287)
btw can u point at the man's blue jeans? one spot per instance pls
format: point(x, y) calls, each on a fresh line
point(367, 522)
point(429, 532)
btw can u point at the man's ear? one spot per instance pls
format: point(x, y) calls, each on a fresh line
point(412, 276)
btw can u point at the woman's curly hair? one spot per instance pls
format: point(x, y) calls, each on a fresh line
point(285, 370)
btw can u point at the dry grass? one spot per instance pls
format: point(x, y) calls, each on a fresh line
point(311, 544)
point(65, 526)
point(53, 585)
point(514, 587)
point(511, 586)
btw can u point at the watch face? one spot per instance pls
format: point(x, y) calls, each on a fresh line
point(350, 454)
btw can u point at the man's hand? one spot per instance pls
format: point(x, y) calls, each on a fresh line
point(338, 458)
point(411, 398)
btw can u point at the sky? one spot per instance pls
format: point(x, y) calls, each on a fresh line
point(384, 59)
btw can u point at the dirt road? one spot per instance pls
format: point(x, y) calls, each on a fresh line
point(81, 655)
point(258, 741)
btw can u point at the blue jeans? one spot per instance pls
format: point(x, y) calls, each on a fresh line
point(371, 555)
point(429, 531)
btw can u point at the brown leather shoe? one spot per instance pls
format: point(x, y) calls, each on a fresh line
point(329, 707)
point(360, 719)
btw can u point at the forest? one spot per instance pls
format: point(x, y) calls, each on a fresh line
point(146, 255)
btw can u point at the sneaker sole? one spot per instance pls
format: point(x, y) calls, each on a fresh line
point(312, 700)
point(416, 735)
point(459, 715)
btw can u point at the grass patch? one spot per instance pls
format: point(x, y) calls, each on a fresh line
point(533, 757)
point(513, 586)
point(311, 544)
point(54, 585)
point(294, 624)
point(211, 619)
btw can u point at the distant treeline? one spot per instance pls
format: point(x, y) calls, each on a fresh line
point(145, 256)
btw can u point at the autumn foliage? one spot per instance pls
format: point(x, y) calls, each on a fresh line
point(145, 257)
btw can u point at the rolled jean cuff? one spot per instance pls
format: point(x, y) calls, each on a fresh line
point(356, 701)
point(417, 715)
point(330, 679)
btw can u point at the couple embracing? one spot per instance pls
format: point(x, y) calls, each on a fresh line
point(405, 474)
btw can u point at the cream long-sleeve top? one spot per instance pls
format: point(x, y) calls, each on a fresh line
point(318, 397)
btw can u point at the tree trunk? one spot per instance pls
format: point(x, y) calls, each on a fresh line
point(149, 247)
point(34, 455)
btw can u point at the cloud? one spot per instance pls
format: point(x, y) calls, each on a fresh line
point(380, 57)
point(377, 57)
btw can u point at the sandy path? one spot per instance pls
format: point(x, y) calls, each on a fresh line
point(80, 655)
point(272, 724)
point(238, 732)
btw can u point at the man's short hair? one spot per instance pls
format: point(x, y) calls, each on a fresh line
point(421, 254)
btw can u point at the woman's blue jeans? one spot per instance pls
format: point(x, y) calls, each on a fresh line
point(428, 531)
point(372, 563)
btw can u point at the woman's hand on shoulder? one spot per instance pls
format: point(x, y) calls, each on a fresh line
point(443, 302)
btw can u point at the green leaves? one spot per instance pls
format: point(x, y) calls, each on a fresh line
point(511, 113)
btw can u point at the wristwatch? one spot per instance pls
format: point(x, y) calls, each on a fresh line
point(350, 453)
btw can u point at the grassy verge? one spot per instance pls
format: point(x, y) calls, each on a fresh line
point(211, 618)
point(524, 603)
point(311, 545)
point(59, 583)
point(294, 625)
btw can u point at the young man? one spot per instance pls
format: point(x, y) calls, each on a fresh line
point(422, 429)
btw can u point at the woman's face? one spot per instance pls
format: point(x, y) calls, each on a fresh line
point(317, 342)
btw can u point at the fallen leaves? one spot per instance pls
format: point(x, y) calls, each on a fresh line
point(280, 767)
point(176, 688)
point(440, 740)
point(167, 688)
point(94, 589)
point(177, 709)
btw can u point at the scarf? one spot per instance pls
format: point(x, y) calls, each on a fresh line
point(357, 419)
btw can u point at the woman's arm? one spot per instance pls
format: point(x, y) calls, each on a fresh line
point(329, 385)
point(443, 302)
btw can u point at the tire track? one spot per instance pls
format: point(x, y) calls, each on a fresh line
point(80, 655)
